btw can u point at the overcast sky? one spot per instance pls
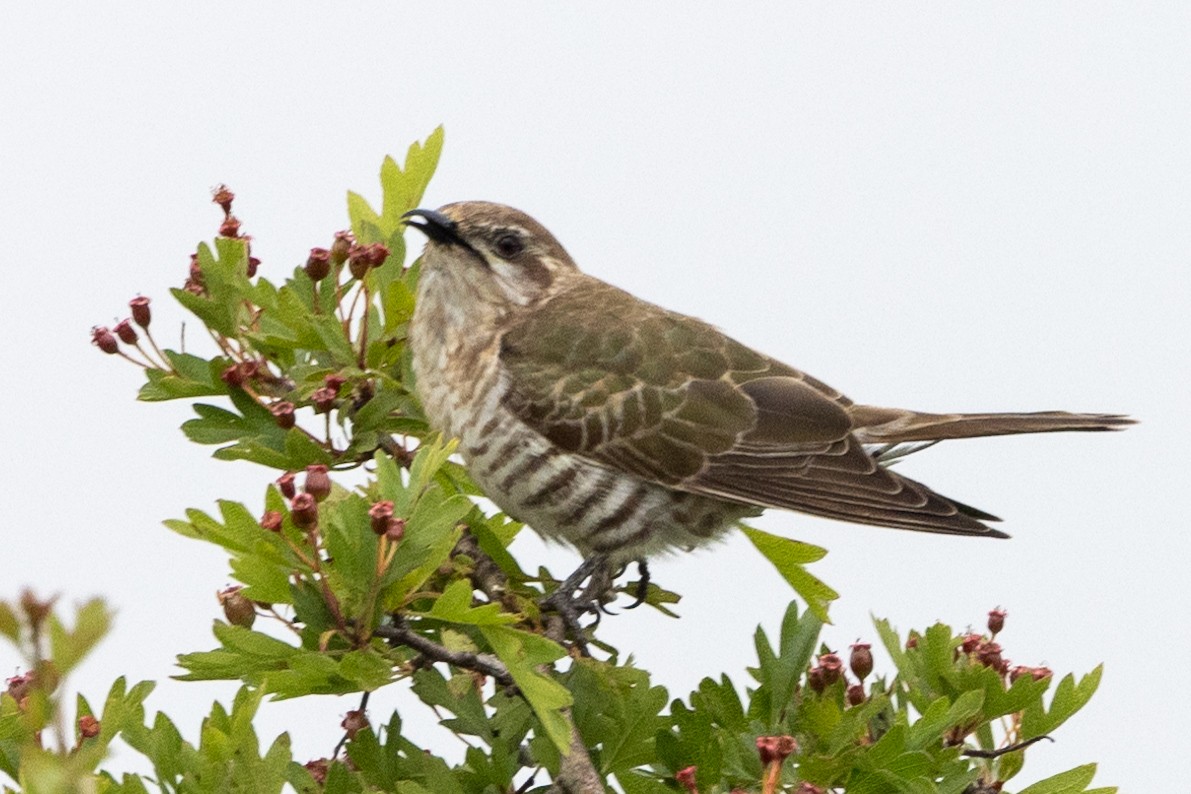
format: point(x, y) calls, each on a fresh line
point(934, 206)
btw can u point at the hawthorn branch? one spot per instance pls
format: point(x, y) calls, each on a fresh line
point(1004, 750)
point(481, 663)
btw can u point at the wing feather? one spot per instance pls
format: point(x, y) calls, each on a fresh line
point(674, 401)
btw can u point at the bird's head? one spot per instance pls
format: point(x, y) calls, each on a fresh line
point(498, 253)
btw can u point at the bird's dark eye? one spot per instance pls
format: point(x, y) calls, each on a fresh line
point(509, 246)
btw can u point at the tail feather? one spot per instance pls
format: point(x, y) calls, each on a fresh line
point(875, 425)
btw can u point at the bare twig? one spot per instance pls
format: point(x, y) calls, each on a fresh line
point(476, 662)
point(1003, 750)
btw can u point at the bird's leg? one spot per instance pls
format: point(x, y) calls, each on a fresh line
point(642, 584)
point(569, 606)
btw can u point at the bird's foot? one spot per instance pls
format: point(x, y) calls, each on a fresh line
point(582, 592)
point(641, 590)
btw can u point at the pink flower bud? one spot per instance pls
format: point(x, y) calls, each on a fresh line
point(102, 338)
point(323, 399)
point(304, 511)
point(318, 769)
point(396, 530)
point(861, 660)
point(381, 514)
point(358, 261)
point(88, 726)
point(238, 610)
point(271, 521)
point(285, 483)
point(775, 748)
point(354, 722)
point(996, 620)
point(376, 254)
point(140, 311)
point(341, 247)
point(318, 264)
point(283, 412)
point(989, 655)
point(856, 694)
point(833, 668)
point(686, 779)
point(233, 376)
point(230, 227)
point(318, 484)
point(224, 198)
point(126, 332)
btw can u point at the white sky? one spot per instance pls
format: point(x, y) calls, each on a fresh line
point(935, 206)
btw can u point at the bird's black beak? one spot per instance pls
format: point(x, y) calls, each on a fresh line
point(433, 224)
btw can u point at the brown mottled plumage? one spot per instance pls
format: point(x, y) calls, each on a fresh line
point(626, 429)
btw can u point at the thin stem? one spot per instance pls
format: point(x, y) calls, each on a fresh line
point(481, 663)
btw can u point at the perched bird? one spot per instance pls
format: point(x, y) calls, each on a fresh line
point(625, 429)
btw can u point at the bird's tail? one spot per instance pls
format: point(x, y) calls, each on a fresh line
point(873, 425)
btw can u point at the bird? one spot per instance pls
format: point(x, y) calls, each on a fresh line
point(627, 430)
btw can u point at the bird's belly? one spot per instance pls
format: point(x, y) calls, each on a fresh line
point(594, 508)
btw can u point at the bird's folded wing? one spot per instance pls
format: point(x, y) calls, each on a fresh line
point(674, 401)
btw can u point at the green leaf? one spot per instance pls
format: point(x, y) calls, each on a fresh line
point(454, 606)
point(366, 668)
point(458, 696)
point(521, 653)
point(1068, 699)
point(779, 673)
point(9, 625)
point(92, 621)
point(789, 558)
point(1073, 781)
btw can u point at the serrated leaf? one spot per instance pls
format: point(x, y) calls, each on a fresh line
point(521, 653)
point(366, 668)
point(1068, 699)
point(69, 646)
point(454, 606)
point(789, 558)
point(1073, 781)
point(779, 672)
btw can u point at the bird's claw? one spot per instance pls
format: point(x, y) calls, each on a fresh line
point(573, 599)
